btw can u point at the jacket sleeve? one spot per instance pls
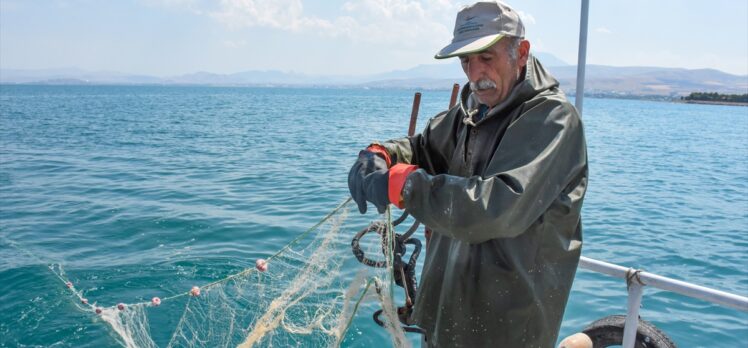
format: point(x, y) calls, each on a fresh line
point(430, 149)
point(541, 158)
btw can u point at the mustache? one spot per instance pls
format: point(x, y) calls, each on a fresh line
point(482, 84)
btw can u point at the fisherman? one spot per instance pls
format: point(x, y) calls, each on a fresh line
point(499, 179)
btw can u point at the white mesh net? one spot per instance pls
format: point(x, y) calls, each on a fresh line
point(301, 300)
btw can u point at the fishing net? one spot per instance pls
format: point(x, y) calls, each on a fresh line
point(296, 297)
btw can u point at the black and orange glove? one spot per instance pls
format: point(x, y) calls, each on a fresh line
point(370, 164)
point(396, 180)
point(371, 179)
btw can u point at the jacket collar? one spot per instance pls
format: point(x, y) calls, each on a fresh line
point(536, 80)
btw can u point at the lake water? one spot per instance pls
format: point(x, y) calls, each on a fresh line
point(138, 188)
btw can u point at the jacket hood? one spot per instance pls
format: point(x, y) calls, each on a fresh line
point(535, 81)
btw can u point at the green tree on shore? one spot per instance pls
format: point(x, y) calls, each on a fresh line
point(717, 97)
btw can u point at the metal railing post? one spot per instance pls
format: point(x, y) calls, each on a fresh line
point(677, 286)
point(632, 314)
point(582, 55)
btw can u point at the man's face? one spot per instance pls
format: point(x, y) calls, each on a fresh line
point(493, 73)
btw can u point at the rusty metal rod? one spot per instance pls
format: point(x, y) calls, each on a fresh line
point(414, 114)
point(453, 98)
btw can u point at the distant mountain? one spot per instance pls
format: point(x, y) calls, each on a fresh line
point(549, 60)
point(93, 77)
point(610, 80)
point(599, 79)
point(241, 78)
point(449, 69)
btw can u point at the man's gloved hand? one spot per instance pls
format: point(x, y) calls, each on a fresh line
point(375, 187)
point(373, 178)
point(368, 181)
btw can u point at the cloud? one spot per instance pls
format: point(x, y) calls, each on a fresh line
point(408, 22)
point(277, 14)
point(405, 22)
point(603, 30)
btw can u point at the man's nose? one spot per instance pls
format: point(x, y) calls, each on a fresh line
point(474, 69)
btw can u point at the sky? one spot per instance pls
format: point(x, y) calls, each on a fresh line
point(351, 37)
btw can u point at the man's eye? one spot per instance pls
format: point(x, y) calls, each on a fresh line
point(485, 58)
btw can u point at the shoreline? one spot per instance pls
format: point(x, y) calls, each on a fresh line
point(594, 95)
point(710, 102)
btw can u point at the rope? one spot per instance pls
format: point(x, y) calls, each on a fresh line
point(390, 241)
point(250, 269)
point(631, 275)
point(390, 251)
point(61, 276)
point(355, 310)
point(398, 272)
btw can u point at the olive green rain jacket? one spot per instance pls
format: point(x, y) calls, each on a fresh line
point(503, 197)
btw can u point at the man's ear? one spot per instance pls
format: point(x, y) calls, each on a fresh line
point(524, 53)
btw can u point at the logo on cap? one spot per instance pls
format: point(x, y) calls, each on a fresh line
point(469, 26)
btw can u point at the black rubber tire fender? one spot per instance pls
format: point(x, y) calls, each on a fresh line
point(608, 331)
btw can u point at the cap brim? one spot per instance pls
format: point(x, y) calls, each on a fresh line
point(468, 46)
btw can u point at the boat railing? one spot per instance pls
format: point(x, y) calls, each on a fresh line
point(636, 280)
